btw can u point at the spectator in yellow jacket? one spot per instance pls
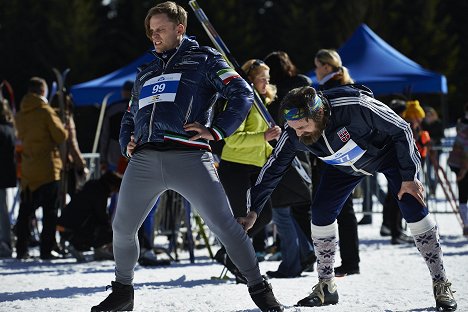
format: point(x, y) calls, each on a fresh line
point(244, 154)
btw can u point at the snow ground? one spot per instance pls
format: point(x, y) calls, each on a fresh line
point(393, 278)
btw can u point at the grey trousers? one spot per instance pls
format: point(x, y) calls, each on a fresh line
point(191, 174)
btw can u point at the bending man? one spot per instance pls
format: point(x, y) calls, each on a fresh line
point(355, 135)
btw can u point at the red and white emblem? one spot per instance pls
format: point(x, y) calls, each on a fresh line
point(344, 135)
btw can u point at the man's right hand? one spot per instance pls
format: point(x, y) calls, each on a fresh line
point(414, 188)
point(131, 146)
point(273, 133)
point(248, 221)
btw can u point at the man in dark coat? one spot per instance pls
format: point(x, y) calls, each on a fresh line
point(8, 176)
point(85, 222)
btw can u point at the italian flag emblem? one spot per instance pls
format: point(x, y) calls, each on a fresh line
point(227, 74)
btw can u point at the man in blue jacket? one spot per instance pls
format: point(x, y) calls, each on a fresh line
point(355, 135)
point(165, 133)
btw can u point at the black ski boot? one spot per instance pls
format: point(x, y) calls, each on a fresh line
point(262, 295)
point(121, 299)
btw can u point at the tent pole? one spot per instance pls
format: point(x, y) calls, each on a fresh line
point(443, 103)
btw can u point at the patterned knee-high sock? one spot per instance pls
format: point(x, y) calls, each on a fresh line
point(428, 245)
point(325, 243)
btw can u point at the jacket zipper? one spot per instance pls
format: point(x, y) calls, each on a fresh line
point(150, 128)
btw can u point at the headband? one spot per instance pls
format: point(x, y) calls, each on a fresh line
point(296, 113)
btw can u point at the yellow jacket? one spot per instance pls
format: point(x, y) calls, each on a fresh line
point(247, 144)
point(41, 131)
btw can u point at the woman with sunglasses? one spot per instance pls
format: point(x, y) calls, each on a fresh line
point(246, 151)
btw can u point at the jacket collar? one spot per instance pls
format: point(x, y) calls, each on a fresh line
point(186, 44)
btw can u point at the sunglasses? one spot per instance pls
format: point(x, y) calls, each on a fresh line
point(254, 65)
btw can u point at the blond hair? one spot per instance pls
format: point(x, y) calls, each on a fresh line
point(332, 58)
point(253, 68)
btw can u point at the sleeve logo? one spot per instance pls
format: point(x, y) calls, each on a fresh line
point(227, 74)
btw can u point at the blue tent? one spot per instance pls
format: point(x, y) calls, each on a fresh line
point(374, 63)
point(94, 91)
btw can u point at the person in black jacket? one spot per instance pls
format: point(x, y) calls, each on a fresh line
point(109, 147)
point(85, 221)
point(355, 135)
point(8, 174)
point(331, 73)
point(291, 199)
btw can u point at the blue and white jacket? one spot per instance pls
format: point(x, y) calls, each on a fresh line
point(169, 94)
point(360, 133)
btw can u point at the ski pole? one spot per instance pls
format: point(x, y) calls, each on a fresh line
point(223, 49)
point(453, 204)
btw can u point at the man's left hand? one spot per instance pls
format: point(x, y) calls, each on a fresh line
point(414, 188)
point(202, 131)
point(248, 221)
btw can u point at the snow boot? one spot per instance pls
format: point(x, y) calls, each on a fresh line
point(262, 295)
point(443, 295)
point(105, 252)
point(222, 257)
point(149, 258)
point(344, 270)
point(324, 293)
point(121, 299)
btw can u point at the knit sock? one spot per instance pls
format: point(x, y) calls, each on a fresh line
point(325, 249)
point(429, 247)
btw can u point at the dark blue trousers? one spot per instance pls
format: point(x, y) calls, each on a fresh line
point(335, 186)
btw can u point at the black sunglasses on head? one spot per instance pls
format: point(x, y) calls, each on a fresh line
point(254, 65)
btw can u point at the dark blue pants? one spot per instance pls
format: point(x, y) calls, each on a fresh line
point(336, 186)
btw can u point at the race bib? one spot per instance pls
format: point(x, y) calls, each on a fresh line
point(159, 89)
point(345, 156)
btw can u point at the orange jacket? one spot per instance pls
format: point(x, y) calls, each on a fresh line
point(422, 142)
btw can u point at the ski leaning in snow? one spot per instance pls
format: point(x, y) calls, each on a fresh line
point(5, 84)
point(101, 118)
point(60, 78)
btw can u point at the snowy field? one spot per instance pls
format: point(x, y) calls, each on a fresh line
point(393, 278)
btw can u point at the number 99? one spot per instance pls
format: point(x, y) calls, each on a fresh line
point(158, 88)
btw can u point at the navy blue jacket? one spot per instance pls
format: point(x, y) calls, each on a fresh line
point(7, 155)
point(356, 116)
point(199, 75)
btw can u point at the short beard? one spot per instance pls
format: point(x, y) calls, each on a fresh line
point(310, 138)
